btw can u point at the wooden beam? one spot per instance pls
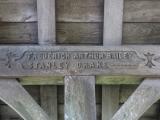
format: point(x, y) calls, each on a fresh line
point(112, 35)
point(142, 99)
point(47, 36)
point(110, 101)
point(100, 80)
point(46, 21)
point(59, 61)
point(48, 95)
point(13, 94)
point(113, 19)
point(80, 98)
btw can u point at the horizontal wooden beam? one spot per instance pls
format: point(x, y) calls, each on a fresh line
point(20, 61)
point(100, 80)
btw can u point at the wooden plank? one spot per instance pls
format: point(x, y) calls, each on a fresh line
point(110, 94)
point(110, 101)
point(125, 92)
point(142, 11)
point(151, 112)
point(46, 36)
point(140, 101)
point(18, 11)
point(87, 109)
point(80, 33)
point(46, 21)
point(79, 11)
point(98, 90)
point(48, 96)
point(100, 80)
point(113, 17)
point(19, 100)
point(18, 33)
point(91, 33)
point(81, 60)
point(80, 105)
point(141, 33)
point(5, 112)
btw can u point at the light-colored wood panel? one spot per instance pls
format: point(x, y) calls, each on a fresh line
point(46, 22)
point(142, 11)
point(47, 36)
point(61, 94)
point(18, 11)
point(113, 20)
point(79, 11)
point(80, 105)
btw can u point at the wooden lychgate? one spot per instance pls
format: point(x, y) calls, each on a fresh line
point(79, 66)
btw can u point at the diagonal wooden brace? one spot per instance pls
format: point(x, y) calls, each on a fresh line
point(142, 99)
point(13, 94)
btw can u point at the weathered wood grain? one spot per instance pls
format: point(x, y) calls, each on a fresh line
point(80, 33)
point(6, 111)
point(46, 36)
point(142, 11)
point(19, 100)
point(113, 17)
point(98, 95)
point(141, 100)
point(18, 33)
point(81, 60)
point(141, 33)
point(46, 21)
point(18, 11)
point(113, 14)
point(100, 80)
point(80, 105)
point(49, 100)
point(33, 90)
point(79, 11)
point(110, 101)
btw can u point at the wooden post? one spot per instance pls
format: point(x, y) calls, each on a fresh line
point(46, 22)
point(80, 98)
point(112, 35)
point(47, 36)
point(113, 20)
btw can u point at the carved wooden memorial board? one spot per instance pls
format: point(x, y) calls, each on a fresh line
point(79, 60)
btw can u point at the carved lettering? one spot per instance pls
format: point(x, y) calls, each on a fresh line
point(86, 60)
